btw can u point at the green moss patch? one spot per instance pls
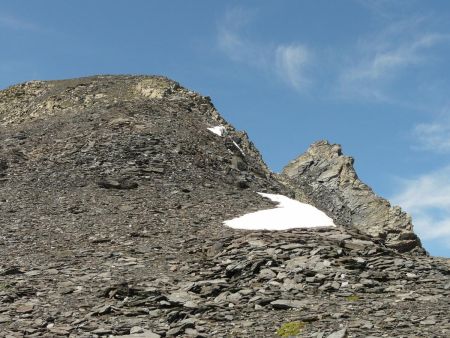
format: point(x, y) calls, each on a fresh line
point(290, 329)
point(352, 298)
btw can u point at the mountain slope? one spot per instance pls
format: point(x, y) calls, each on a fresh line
point(113, 194)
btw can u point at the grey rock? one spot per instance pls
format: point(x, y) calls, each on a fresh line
point(428, 321)
point(238, 163)
point(181, 327)
point(234, 298)
point(357, 244)
point(103, 310)
point(136, 329)
point(61, 330)
point(267, 274)
point(154, 170)
point(289, 304)
point(297, 262)
point(4, 319)
point(324, 177)
point(189, 332)
point(145, 334)
point(338, 334)
point(123, 184)
point(25, 308)
point(102, 331)
point(181, 297)
point(81, 258)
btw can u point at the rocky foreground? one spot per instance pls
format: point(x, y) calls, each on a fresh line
point(112, 198)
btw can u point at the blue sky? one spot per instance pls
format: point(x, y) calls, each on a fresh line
point(372, 75)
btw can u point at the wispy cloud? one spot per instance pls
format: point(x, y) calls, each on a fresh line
point(231, 40)
point(387, 8)
point(380, 60)
point(427, 199)
point(290, 62)
point(386, 61)
point(15, 23)
point(287, 61)
point(434, 136)
point(389, 65)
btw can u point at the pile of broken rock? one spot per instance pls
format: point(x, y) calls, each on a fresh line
point(113, 194)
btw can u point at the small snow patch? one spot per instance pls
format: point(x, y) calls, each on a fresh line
point(239, 148)
point(218, 130)
point(287, 215)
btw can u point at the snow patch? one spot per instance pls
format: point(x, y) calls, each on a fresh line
point(287, 215)
point(222, 131)
point(218, 130)
point(239, 148)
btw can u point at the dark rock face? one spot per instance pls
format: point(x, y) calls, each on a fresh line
point(326, 178)
point(112, 198)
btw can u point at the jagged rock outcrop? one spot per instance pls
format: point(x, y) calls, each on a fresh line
point(113, 194)
point(326, 178)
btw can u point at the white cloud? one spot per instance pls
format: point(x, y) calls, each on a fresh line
point(378, 61)
point(390, 65)
point(382, 64)
point(233, 42)
point(290, 63)
point(287, 61)
point(434, 136)
point(427, 199)
point(386, 60)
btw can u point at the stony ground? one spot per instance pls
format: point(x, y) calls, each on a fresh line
point(112, 197)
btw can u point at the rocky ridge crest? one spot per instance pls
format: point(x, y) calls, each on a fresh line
point(326, 178)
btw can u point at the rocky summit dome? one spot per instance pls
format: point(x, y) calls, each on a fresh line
point(114, 191)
